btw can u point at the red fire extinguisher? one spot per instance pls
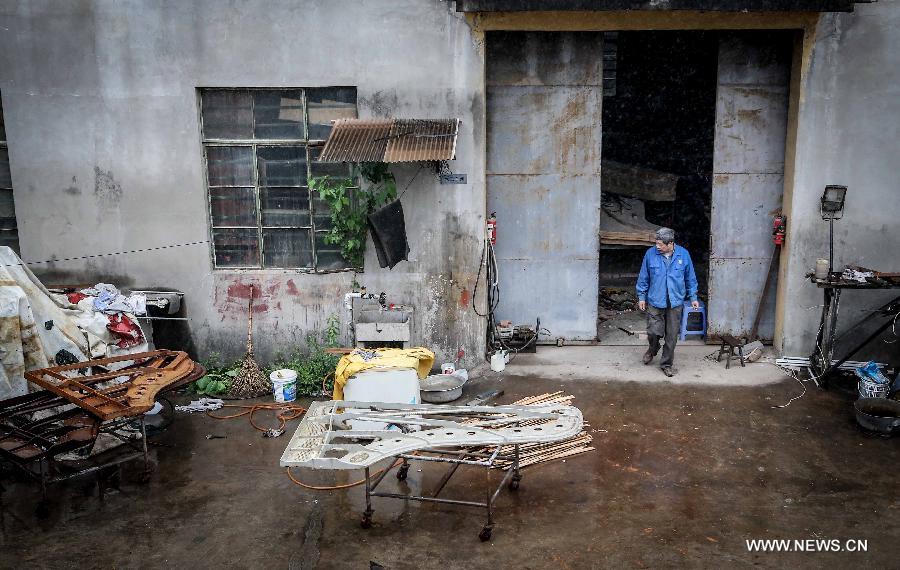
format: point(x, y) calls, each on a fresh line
point(779, 228)
point(492, 228)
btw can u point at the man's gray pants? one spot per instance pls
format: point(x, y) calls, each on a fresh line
point(663, 324)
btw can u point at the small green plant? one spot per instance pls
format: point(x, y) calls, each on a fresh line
point(315, 367)
point(349, 208)
point(218, 378)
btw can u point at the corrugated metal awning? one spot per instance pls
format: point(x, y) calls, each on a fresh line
point(391, 140)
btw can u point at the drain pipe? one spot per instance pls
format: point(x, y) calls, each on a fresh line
point(348, 305)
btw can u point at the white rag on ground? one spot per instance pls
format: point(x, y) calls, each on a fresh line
point(39, 329)
point(201, 405)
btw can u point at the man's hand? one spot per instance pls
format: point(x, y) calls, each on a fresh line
point(695, 304)
point(642, 305)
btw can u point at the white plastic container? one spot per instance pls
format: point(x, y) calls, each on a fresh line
point(386, 385)
point(498, 361)
point(821, 269)
point(284, 385)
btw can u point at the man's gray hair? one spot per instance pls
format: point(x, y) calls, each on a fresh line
point(665, 235)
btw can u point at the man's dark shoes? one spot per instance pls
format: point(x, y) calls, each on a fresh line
point(669, 371)
point(648, 357)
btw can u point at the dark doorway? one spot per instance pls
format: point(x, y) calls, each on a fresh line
point(659, 112)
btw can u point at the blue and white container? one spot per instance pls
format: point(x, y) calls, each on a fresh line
point(284, 385)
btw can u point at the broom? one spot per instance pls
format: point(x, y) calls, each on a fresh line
point(250, 382)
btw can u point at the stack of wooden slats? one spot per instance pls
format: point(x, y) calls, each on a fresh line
point(627, 238)
point(534, 453)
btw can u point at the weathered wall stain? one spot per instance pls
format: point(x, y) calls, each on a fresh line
point(107, 191)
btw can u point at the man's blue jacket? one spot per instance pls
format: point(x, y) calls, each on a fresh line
point(654, 277)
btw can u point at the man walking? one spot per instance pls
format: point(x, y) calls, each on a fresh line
point(667, 277)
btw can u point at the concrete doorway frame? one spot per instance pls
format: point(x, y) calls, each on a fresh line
point(804, 23)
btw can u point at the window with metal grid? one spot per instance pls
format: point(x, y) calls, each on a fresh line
point(9, 231)
point(260, 149)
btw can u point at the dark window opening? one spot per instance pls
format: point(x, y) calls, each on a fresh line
point(259, 159)
point(9, 230)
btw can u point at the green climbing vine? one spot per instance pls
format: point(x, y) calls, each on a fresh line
point(350, 208)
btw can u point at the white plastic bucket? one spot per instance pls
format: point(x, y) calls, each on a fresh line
point(284, 385)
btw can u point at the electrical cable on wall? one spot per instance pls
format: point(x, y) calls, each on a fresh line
point(488, 266)
point(96, 255)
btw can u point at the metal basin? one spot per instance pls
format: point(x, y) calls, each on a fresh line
point(878, 414)
point(441, 388)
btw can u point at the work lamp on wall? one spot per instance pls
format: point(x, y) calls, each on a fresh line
point(832, 209)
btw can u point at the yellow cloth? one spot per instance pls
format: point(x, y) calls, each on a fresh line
point(419, 358)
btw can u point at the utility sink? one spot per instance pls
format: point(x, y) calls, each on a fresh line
point(374, 325)
point(379, 316)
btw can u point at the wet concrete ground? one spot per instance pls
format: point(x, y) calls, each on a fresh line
point(682, 476)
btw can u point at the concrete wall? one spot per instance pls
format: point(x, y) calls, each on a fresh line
point(101, 114)
point(848, 133)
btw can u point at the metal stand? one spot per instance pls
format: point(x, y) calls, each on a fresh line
point(46, 470)
point(822, 360)
point(456, 458)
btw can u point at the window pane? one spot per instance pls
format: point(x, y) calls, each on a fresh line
point(236, 247)
point(284, 206)
point(7, 211)
point(326, 104)
point(227, 114)
point(5, 179)
point(328, 256)
point(287, 248)
point(229, 165)
point(334, 169)
point(321, 213)
point(278, 114)
point(10, 238)
point(281, 165)
point(233, 207)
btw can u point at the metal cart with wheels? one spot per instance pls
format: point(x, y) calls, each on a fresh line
point(456, 458)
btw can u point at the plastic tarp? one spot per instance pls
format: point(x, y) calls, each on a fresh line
point(39, 329)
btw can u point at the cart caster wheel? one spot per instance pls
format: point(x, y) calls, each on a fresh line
point(366, 521)
point(403, 472)
point(485, 534)
point(513, 485)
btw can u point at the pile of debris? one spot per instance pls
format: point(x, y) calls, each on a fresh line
point(626, 187)
point(617, 299)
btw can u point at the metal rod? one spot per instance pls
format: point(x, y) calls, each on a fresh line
point(369, 493)
point(446, 478)
point(830, 247)
point(443, 460)
point(145, 449)
point(490, 496)
point(429, 499)
point(506, 477)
